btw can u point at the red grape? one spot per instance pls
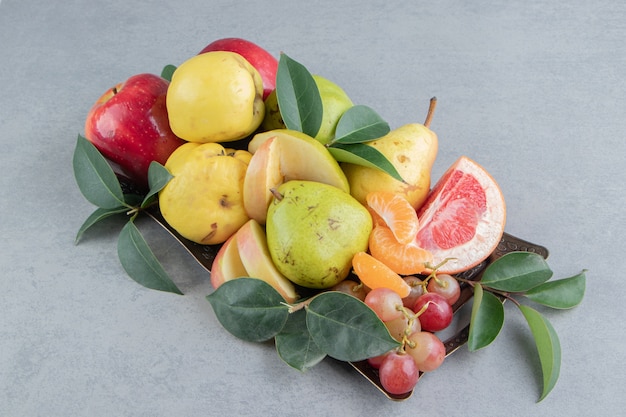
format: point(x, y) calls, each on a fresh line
point(417, 289)
point(398, 373)
point(437, 314)
point(428, 351)
point(352, 288)
point(385, 303)
point(399, 327)
point(376, 360)
point(445, 285)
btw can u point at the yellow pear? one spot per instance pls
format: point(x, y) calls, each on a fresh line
point(412, 150)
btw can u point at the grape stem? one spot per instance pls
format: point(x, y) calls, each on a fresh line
point(411, 317)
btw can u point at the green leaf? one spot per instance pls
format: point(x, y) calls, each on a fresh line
point(95, 177)
point(360, 124)
point(548, 347)
point(299, 99)
point(346, 328)
point(140, 263)
point(158, 177)
point(295, 345)
point(249, 309)
point(563, 293)
point(486, 320)
point(168, 71)
point(516, 272)
point(365, 155)
point(98, 215)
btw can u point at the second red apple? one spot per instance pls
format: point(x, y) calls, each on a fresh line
point(259, 58)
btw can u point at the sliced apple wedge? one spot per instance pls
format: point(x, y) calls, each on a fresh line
point(263, 174)
point(227, 264)
point(282, 155)
point(256, 259)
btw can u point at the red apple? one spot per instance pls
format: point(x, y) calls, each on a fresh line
point(262, 60)
point(128, 124)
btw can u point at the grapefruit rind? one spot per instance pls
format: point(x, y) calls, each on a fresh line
point(442, 209)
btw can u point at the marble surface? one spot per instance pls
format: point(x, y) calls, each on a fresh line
point(535, 91)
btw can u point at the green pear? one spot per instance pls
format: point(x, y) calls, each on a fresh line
point(335, 102)
point(313, 231)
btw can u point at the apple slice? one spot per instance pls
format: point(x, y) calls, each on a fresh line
point(263, 174)
point(256, 259)
point(227, 264)
point(282, 155)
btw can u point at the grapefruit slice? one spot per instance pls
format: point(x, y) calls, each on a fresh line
point(463, 217)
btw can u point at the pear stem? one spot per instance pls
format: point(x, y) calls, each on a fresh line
point(278, 196)
point(431, 111)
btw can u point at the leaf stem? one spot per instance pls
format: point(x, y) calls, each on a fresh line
point(298, 306)
point(503, 294)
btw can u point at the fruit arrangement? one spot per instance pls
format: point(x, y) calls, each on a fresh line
point(317, 221)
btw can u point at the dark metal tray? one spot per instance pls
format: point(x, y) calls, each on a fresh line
point(205, 254)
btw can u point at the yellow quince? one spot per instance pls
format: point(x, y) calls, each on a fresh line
point(215, 97)
point(203, 201)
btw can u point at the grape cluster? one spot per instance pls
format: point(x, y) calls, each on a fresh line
point(412, 321)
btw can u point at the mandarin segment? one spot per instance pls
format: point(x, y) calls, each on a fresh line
point(396, 212)
point(402, 259)
point(375, 274)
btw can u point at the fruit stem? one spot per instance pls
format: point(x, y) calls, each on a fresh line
point(278, 196)
point(431, 111)
point(423, 309)
point(411, 317)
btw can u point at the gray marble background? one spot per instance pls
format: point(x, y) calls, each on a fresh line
point(533, 90)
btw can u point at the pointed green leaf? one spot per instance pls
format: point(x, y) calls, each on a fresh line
point(346, 328)
point(548, 347)
point(158, 177)
point(249, 309)
point(563, 293)
point(360, 124)
point(486, 320)
point(95, 177)
point(295, 345)
point(168, 71)
point(98, 215)
point(140, 263)
point(299, 99)
point(365, 155)
point(516, 272)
